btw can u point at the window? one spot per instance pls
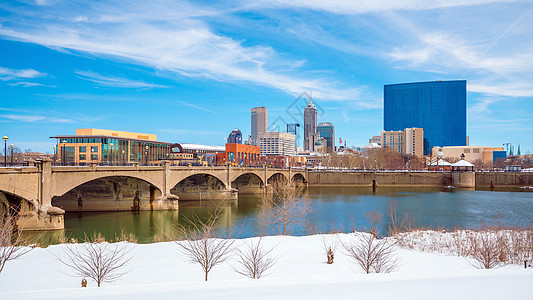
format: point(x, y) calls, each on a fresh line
point(94, 149)
point(82, 149)
point(82, 156)
point(467, 150)
point(94, 156)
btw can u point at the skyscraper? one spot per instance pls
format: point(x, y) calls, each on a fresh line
point(235, 137)
point(326, 130)
point(310, 120)
point(259, 123)
point(439, 107)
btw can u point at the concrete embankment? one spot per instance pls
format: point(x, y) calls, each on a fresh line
point(420, 179)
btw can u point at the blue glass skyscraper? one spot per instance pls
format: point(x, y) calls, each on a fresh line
point(439, 107)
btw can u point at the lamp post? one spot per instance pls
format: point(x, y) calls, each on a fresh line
point(5, 150)
point(11, 154)
point(54, 154)
point(123, 163)
point(63, 154)
point(111, 159)
point(146, 153)
point(439, 157)
point(92, 152)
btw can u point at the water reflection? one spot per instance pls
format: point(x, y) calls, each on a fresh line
point(338, 208)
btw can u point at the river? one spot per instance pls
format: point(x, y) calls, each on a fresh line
point(332, 208)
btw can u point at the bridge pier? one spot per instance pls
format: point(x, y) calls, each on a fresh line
point(168, 201)
point(39, 214)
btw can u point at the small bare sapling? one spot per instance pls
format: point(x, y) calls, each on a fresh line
point(254, 260)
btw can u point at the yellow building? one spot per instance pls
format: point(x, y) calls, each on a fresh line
point(484, 154)
point(109, 147)
point(409, 141)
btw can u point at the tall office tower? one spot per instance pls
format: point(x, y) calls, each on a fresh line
point(439, 107)
point(326, 130)
point(259, 123)
point(310, 119)
point(235, 137)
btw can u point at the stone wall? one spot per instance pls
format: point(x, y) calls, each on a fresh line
point(501, 180)
point(421, 179)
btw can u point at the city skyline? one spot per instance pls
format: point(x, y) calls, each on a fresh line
point(191, 72)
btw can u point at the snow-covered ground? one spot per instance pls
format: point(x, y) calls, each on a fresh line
point(159, 271)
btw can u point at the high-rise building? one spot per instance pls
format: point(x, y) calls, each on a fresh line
point(409, 141)
point(259, 123)
point(293, 129)
point(277, 144)
point(439, 107)
point(235, 137)
point(310, 121)
point(326, 130)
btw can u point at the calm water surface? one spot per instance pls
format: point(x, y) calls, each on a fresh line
point(340, 208)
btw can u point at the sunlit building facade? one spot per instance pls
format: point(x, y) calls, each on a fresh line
point(109, 147)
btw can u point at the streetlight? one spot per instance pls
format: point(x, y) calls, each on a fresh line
point(11, 154)
point(123, 163)
point(54, 154)
point(5, 150)
point(111, 159)
point(63, 154)
point(92, 153)
point(146, 153)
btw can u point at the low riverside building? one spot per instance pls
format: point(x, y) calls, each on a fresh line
point(240, 154)
point(109, 147)
point(484, 154)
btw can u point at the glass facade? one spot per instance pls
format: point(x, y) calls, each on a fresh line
point(439, 107)
point(327, 131)
point(110, 150)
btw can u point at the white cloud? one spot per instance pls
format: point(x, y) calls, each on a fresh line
point(35, 118)
point(113, 81)
point(11, 74)
point(369, 6)
point(180, 44)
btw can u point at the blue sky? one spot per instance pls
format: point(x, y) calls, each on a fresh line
point(191, 71)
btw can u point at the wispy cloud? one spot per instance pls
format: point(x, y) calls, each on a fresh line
point(11, 74)
point(35, 118)
point(202, 108)
point(172, 38)
point(115, 81)
point(361, 7)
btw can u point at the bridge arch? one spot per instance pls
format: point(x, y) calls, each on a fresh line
point(199, 180)
point(247, 179)
point(298, 178)
point(109, 193)
point(277, 177)
point(66, 183)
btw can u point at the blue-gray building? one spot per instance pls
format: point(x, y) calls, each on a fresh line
point(326, 130)
point(439, 107)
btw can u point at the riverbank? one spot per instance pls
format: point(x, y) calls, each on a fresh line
point(160, 271)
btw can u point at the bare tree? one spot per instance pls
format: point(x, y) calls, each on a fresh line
point(254, 261)
point(370, 252)
point(489, 248)
point(203, 244)
point(285, 206)
point(12, 245)
point(96, 259)
point(397, 224)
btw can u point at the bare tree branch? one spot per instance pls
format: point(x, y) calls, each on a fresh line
point(12, 244)
point(203, 244)
point(370, 252)
point(97, 259)
point(285, 206)
point(254, 261)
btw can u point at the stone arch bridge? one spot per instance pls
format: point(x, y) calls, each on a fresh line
point(38, 191)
